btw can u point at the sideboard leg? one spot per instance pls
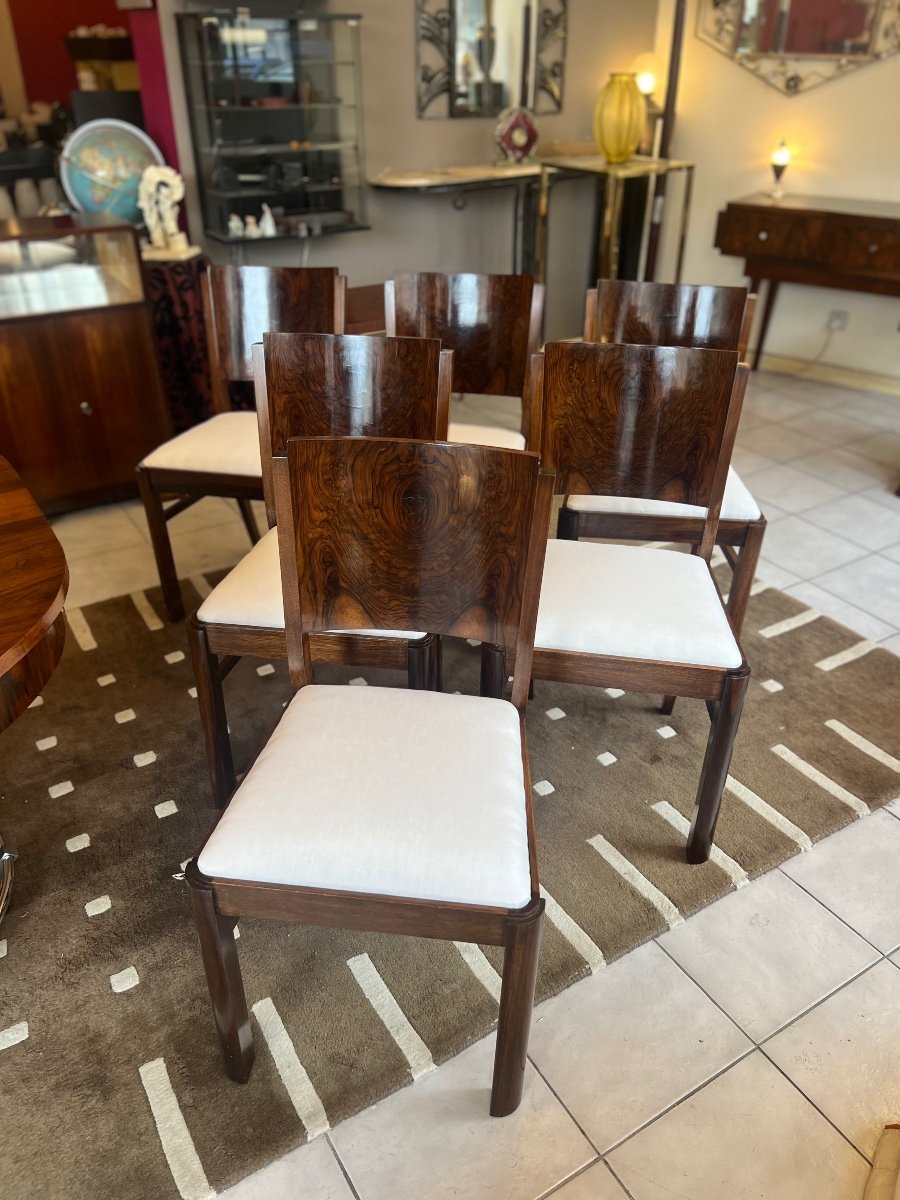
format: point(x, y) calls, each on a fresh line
point(771, 293)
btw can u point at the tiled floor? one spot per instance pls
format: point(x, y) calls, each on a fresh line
point(751, 1052)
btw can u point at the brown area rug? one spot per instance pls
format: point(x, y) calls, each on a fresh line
point(74, 1115)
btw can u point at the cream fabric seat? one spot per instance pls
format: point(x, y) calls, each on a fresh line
point(737, 504)
point(633, 602)
point(485, 435)
point(250, 594)
point(436, 816)
point(227, 444)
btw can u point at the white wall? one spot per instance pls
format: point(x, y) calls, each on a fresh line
point(845, 139)
point(425, 232)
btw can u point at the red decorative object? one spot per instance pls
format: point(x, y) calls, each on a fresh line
point(515, 136)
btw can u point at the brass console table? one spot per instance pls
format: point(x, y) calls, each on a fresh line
point(616, 175)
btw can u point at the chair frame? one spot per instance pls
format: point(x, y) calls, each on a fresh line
point(723, 689)
point(217, 648)
point(465, 370)
point(156, 484)
point(219, 903)
point(740, 541)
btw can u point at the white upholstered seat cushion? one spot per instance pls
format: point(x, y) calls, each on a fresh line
point(384, 790)
point(485, 435)
point(632, 602)
point(227, 444)
point(737, 504)
point(250, 594)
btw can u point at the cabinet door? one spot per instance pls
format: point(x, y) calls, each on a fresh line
point(857, 246)
point(768, 233)
point(80, 402)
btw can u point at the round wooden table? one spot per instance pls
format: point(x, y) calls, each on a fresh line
point(33, 583)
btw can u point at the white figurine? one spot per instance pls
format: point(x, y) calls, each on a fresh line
point(235, 226)
point(159, 194)
point(267, 226)
point(251, 227)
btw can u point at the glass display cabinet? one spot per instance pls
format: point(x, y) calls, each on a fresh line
point(80, 397)
point(276, 120)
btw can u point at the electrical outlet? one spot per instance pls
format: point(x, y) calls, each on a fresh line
point(837, 320)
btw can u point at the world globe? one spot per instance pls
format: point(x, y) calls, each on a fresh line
point(101, 166)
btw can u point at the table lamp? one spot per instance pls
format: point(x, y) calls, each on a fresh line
point(779, 158)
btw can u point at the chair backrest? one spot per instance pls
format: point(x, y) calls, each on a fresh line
point(655, 422)
point(439, 537)
point(319, 384)
point(243, 303)
point(667, 314)
point(492, 323)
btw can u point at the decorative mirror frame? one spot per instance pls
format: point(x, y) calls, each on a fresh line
point(719, 20)
point(436, 39)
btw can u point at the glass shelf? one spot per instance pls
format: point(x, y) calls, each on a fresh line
point(275, 116)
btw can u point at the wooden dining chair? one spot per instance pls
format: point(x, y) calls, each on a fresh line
point(667, 314)
point(382, 809)
point(492, 323)
point(651, 424)
point(311, 385)
point(220, 456)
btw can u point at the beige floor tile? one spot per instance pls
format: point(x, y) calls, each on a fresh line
point(113, 573)
point(95, 531)
point(845, 469)
point(780, 443)
point(825, 602)
point(892, 643)
point(845, 1055)
point(746, 461)
point(806, 549)
point(749, 1135)
point(832, 427)
point(767, 953)
point(624, 1045)
point(872, 583)
point(772, 406)
point(895, 958)
point(892, 552)
point(310, 1172)
point(211, 510)
point(774, 576)
point(791, 489)
point(596, 1183)
point(860, 520)
point(883, 447)
point(199, 550)
point(855, 873)
point(877, 411)
point(435, 1139)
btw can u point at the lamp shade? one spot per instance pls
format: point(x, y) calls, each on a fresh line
point(619, 118)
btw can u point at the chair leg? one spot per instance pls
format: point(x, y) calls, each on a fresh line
point(162, 546)
point(493, 671)
point(437, 664)
point(716, 762)
point(213, 718)
point(223, 976)
point(742, 578)
point(246, 507)
point(520, 962)
point(420, 663)
point(668, 703)
point(567, 524)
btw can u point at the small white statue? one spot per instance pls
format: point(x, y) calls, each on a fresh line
point(159, 194)
point(267, 226)
point(251, 228)
point(235, 226)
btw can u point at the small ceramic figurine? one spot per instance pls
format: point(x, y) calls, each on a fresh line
point(251, 227)
point(160, 191)
point(267, 226)
point(235, 226)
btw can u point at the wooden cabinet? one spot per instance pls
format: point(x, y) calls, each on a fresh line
point(80, 396)
point(853, 245)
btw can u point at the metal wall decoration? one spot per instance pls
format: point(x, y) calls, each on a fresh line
point(726, 25)
point(438, 25)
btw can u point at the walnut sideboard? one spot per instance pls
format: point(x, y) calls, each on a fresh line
point(853, 245)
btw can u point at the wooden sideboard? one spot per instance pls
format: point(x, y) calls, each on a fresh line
point(853, 245)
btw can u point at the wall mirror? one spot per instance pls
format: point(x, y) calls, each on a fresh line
point(476, 57)
point(795, 45)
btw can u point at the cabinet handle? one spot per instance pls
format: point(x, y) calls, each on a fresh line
point(87, 409)
point(873, 247)
point(763, 236)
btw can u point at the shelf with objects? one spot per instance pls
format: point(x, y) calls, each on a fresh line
point(275, 108)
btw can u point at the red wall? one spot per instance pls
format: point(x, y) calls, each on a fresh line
point(40, 27)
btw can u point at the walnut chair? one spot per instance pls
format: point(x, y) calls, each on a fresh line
point(666, 314)
point(648, 423)
point(383, 809)
point(310, 385)
point(220, 456)
point(492, 323)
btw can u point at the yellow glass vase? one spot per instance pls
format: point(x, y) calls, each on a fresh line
point(619, 118)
